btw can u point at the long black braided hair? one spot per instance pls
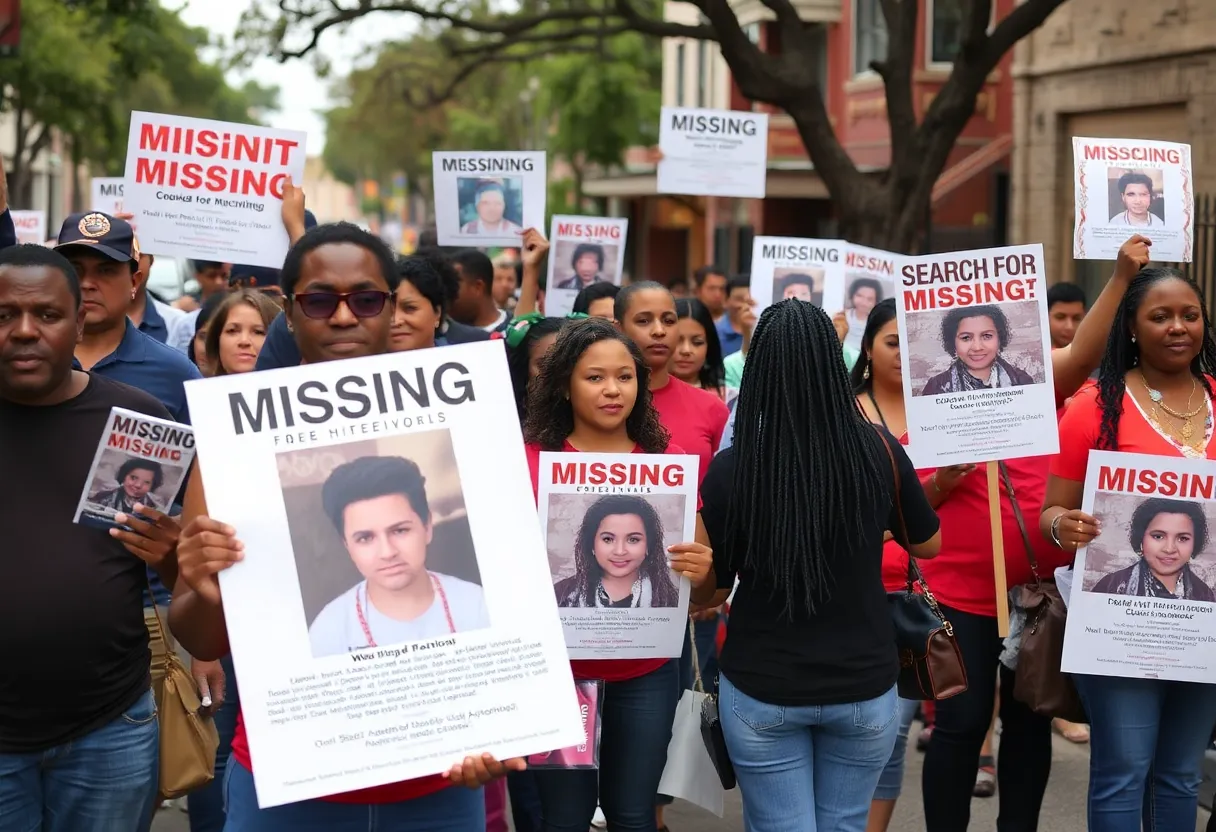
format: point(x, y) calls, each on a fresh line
point(549, 417)
point(1122, 354)
point(808, 466)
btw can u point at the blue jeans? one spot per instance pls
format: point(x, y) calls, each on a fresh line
point(891, 782)
point(99, 783)
point(1147, 739)
point(810, 768)
point(635, 730)
point(206, 806)
point(454, 809)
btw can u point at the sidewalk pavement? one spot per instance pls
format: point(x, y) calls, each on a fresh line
point(1063, 808)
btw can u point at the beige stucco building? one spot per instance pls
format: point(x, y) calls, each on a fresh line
point(1107, 69)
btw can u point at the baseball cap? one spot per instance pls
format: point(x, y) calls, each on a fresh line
point(107, 235)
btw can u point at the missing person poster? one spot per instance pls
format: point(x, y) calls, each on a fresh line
point(608, 520)
point(712, 152)
point(140, 459)
point(488, 198)
point(31, 226)
point(976, 356)
point(1142, 604)
point(1132, 186)
point(583, 251)
point(795, 267)
point(210, 190)
point(395, 612)
point(107, 195)
point(869, 277)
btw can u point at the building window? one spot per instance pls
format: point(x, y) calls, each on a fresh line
point(703, 74)
point(945, 30)
point(679, 75)
point(869, 35)
point(818, 33)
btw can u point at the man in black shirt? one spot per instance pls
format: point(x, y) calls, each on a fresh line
point(78, 728)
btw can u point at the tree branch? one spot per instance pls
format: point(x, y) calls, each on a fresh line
point(896, 73)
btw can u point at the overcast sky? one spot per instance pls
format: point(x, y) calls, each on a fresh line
point(302, 96)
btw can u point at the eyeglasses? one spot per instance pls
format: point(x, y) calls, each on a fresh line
point(367, 303)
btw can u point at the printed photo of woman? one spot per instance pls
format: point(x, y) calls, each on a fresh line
point(975, 338)
point(619, 558)
point(378, 506)
point(864, 294)
point(1166, 535)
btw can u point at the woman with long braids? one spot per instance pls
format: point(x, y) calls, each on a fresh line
point(797, 508)
point(592, 395)
point(962, 579)
point(1154, 396)
point(624, 529)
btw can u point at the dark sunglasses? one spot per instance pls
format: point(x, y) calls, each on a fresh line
point(367, 303)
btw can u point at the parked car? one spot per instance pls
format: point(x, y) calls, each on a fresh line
point(171, 278)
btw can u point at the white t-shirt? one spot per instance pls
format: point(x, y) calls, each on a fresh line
point(336, 630)
point(1122, 218)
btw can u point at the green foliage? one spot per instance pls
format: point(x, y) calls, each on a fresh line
point(84, 65)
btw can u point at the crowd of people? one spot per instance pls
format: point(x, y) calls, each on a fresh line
point(809, 510)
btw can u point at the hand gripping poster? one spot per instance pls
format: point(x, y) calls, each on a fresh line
point(608, 520)
point(585, 251)
point(394, 611)
point(796, 267)
point(1142, 603)
point(1132, 186)
point(976, 356)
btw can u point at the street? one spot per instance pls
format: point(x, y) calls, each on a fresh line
point(1063, 810)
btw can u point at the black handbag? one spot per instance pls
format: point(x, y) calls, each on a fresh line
point(715, 741)
point(930, 663)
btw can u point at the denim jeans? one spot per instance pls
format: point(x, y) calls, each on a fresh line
point(635, 730)
point(890, 784)
point(101, 782)
point(206, 806)
point(960, 725)
point(807, 768)
point(1146, 739)
point(454, 809)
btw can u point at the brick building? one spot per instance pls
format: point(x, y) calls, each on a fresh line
point(1106, 69)
point(671, 236)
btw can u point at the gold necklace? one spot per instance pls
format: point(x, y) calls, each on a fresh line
point(1187, 430)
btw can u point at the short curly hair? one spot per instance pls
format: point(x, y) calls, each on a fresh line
point(1147, 511)
point(955, 317)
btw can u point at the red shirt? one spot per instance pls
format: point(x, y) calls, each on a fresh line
point(1082, 423)
point(695, 419)
point(610, 670)
point(390, 793)
point(894, 557)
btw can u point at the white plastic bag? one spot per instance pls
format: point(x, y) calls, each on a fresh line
point(690, 773)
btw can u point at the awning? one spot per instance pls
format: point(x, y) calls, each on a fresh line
point(782, 183)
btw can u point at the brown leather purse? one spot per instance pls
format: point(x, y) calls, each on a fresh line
point(1038, 682)
point(930, 663)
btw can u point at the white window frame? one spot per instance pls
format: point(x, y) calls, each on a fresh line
point(945, 65)
point(854, 56)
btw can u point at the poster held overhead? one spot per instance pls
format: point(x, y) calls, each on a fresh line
point(869, 279)
point(1132, 186)
point(796, 267)
point(712, 152)
point(976, 349)
point(210, 190)
point(608, 520)
point(31, 226)
point(584, 250)
point(488, 198)
point(1142, 604)
point(395, 612)
point(108, 195)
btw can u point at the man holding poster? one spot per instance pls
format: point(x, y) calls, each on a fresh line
point(385, 747)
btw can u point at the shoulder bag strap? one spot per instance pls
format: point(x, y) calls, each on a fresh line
point(913, 572)
point(1017, 513)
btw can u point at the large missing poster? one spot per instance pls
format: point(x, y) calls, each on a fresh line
point(1133, 186)
point(608, 520)
point(799, 268)
point(1142, 604)
point(976, 351)
point(712, 152)
point(395, 611)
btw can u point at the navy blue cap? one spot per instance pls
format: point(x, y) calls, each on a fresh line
point(107, 235)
